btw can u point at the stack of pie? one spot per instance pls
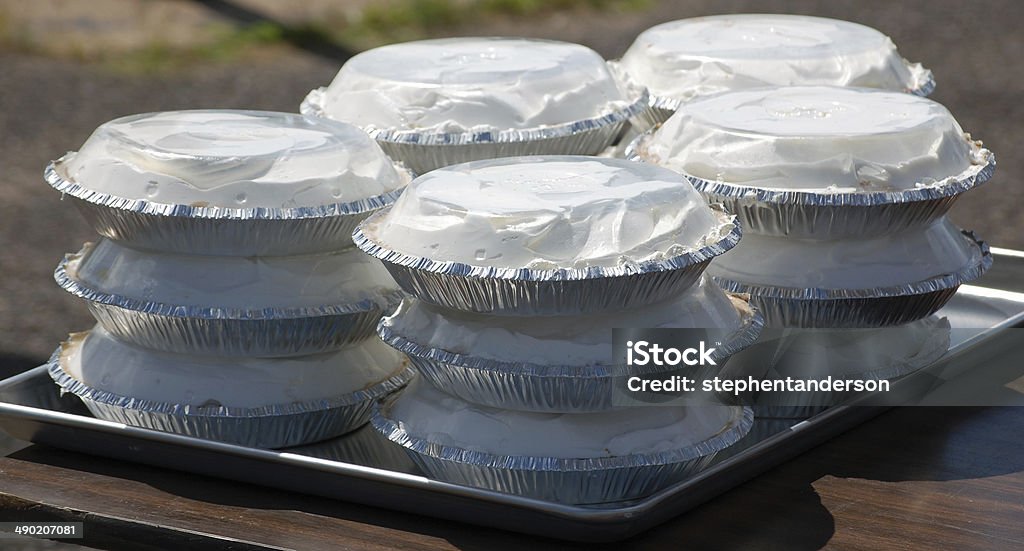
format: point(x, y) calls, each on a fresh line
point(842, 194)
point(519, 269)
point(230, 302)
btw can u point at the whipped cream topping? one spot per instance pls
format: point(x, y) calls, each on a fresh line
point(705, 55)
point(472, 84)
point(231, 282)
point(102, 362)
point(426, 413)
point(575, 340)
point(815, 138)
point(909, 256)
point(817, 353)
point(232, 159)
point(547, 213)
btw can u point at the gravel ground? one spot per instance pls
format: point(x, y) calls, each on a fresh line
point(49, 106)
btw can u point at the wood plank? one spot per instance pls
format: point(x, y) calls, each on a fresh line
point(913, 478)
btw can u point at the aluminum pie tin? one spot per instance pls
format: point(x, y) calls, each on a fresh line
point(526, 386)
point(928, 347)
point(529, 292)
point(802, 405)
point(571, 481)
point(423, 151)
point(272, 426)
point(848, 308)
point(824, 215)
point(219, 331)
point(208, 230)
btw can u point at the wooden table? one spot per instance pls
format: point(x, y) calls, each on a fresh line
point(913, 478)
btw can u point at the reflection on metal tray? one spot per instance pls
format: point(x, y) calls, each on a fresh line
point(363, 467)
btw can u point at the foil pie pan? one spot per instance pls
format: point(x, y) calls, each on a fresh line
point(528, 386)
point(261, 332)
point(872, 307)
point(528, 292)
point(272, 426)
point(825, 215)
point(423, 151)
point(929, 339)
point(802, 405)
point(201, 229)
point(572, 481)
point(886, 353)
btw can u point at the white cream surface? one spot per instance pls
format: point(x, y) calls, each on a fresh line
point(815, 353)
point(426, 413)
point(562, 340)
point(697, 57)
point(104, 363)
point(548, 212)
point(472, 84)
point(232, 159)
point(231, 282)
point(909, 256)
point(815, 138)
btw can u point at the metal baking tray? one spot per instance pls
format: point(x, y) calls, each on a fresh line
point(364, 468)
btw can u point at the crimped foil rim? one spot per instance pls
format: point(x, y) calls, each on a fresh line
point(930, 285)
point(971, 177)
point(360, 206)
point(727, 436)
point(692, 258)
point(311, 106)
point(665, 103)
point(924, 87)
point(742, 337)
point(83, 291)
point(80, 389)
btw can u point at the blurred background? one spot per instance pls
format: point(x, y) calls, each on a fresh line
point(68, 66)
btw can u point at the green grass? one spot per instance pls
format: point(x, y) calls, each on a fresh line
point(14, 38)
point(379, 23)
point(227, 43)
point(415, 19)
